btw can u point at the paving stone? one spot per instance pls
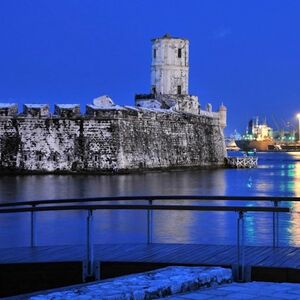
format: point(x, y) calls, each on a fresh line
point(196, 296)
point(216, 292)
point(250, 290)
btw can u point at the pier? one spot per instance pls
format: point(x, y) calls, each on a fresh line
point(242, 162)
point(26, 269)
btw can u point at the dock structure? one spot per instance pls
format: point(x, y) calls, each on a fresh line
point(28, 269)
point(242, 162)
point(50, 267)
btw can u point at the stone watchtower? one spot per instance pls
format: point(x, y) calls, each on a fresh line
point(170, 76)
point(170, 66)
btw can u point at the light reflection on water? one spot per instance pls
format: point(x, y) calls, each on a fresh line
point(278, 175)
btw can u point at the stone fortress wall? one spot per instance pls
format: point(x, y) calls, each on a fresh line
point(163, 130)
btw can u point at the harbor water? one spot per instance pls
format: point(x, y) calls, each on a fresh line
point(278, 174)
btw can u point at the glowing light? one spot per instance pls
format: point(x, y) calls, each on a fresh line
point(298, 116)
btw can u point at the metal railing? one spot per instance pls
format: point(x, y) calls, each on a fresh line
point(85, 204)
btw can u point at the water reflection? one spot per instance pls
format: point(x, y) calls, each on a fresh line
point(278, 175)
point(20, 188)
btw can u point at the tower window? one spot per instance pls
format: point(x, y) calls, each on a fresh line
point(154, 90)
point(154, 53)
point(25, 157)
point(179, 53)
point(179, 89)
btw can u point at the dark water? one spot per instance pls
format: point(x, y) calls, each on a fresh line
point(278, 175)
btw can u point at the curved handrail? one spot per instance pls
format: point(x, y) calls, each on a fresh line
point(40, 206)
point(148, 207)
point(155, 197)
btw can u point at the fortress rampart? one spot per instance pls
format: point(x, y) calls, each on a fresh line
point(107, 140)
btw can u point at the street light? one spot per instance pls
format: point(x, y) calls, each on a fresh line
point(298, 117)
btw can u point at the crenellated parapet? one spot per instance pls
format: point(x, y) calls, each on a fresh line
point(36, 110)
point(8, 109)
point(107, 139)
point(67, 110)
point(104, 108)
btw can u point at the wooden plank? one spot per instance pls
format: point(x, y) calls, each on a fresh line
point(161, 253)
point(291, 258)
point(181, 253)
point(273, 257)
point(256, 254)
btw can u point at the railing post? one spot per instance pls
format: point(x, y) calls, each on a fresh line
point(240, 247)
point(149, 224)
point(33, 227)
point(275, 226)
point(89, 247)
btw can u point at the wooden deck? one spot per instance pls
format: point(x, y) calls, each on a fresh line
point(285, 257)
point(25, 269)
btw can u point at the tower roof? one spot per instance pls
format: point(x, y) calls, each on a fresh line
point(167, 36)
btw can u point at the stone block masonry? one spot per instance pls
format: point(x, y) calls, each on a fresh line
point(119, 139)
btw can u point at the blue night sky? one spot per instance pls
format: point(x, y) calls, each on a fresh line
point(243, 53)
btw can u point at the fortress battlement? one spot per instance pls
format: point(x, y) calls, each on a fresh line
point(71, 111)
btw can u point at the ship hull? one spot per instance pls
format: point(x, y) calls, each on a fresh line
point(248, 145)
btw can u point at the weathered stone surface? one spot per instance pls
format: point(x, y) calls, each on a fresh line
point(67, 110)
point(103, 101)
point(8, 109)
point(36, 110)
point(112, 140)
point(151, 285)
point(170, 76)
point(170, 65)
point(249, 290)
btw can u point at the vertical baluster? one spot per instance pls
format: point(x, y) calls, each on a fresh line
point(89, 246)
point(33, 227)
point(240, 247)
point(149, 224)
point(275, 226)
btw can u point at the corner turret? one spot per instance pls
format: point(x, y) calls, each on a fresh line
point(223, 115)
